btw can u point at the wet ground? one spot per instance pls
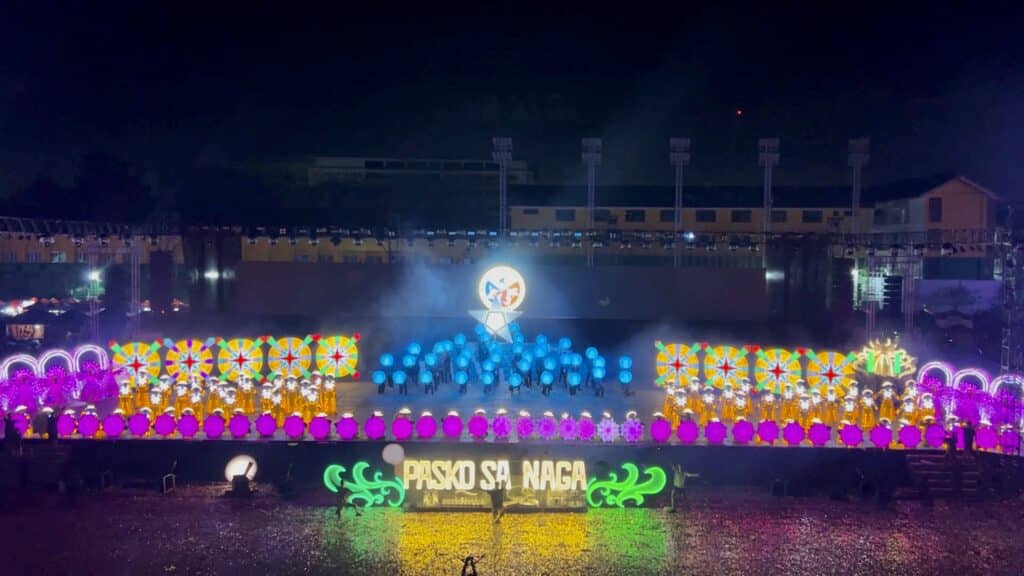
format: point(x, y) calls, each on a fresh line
point(195, 531)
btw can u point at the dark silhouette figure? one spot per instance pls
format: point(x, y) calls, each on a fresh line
point(968, 437)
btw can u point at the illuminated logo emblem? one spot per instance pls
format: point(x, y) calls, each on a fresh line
point(502, 288)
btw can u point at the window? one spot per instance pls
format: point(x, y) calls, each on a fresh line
point(565, 215)
point(530, 211)
point(602, 215)
point(779, 216)
point(33, 256)
point(80, 257)
point(667, 216)
point(811, 216)
point(741, 216)
point(635, 215)
point(324, 259)
point(935, 210)
point(10, 256)
point(706, 216)
point(302, 258)
point(58, 257)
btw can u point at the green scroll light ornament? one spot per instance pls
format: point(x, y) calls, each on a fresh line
point(368, 493)
point(615, 492)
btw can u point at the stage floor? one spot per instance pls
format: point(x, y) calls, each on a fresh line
point(194, 531)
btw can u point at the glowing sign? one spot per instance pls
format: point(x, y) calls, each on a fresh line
point(502, 288)
point(466, 475)
point(615, 492)
point(363, 491)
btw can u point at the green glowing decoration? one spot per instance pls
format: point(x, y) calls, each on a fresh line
point(615, 492)
point(375, 492)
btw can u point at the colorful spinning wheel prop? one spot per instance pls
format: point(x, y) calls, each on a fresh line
point(240, 357)
point(290, 356)
point(676, 364)
point(133, 357)
point(338, 356)
point(724, 364)
point(826, 369)
point(187, 358)
point(775, 368)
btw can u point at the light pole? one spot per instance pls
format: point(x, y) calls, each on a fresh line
point(859, 154)
point(591, 153)
point(679, 156)
point(502, 154)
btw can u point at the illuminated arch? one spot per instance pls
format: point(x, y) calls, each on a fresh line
point(290, 356)
point(978, 374)
point(825, 369)
point(56, 354)
point(676, 364)
point(775, 368)
point(26, 359)
point(136, 357)
point(725, 364)
point(1009, 379)
point(239, 357)
point(943, 367)
point(187, 358)
point(337, 356)
point(101, 355)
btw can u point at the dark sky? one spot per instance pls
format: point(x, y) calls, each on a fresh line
point(185, 85)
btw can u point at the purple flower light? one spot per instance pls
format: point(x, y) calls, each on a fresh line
point(934, 435)
point(881, 436)
point(587, 429)
point(633, 430)
point(239, 426)
point(851, 435)
point(768, 431)
point(819, 434)
point(164, 425)
point(266, 425)
point(478, 426)
point(113, 425)
point(188, 426)
point(793, 434)
point(451, 426)
point(347, 428)
point(65, 425)
point(715, 432)
point(294, 427)
point(687, 432)
point(88, 425)
point(742, 432)
point(910, 436)
point(567, 429)
point(213, 426)
point(607, 430)
point(426, 427)
point(401, 429)
point(524, 427)
point(986, 438)
point(1009, 440)
point(375, 428)
point(502, 426)
point(138, 424)
point(661, 430)
point(546, 428)
point(320, 428)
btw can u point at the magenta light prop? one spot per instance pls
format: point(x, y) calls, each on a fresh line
point(375, 428)
point(426, 427)
point(266, 425)
point(401, 429)
point(881, 436)
point(164, 425)
point(607, 430)
point(851, 435)
point(213, 426)
point(113, 425)
point(715, 432)
point(478, 426)
point(793, 434)
point(239, 426)
point(320, 428)
point(687, 432)
point(347, 428)
point(818, 434)
point(1008, 440)
point(88, 425)
point(768, 431)
point(986, 438)
point(502, 426)
point(910, 436)
point(661, 431)
point(294, 427)
point(138, 424)
point(451, 426)
point(188, 426)
point(546, 428)
point(21, 423)
point(567, 429)
point(524, 427)
point(934, 435)
point(633, 431)
point(742, 432)
point(65, 425)
point(587, 429)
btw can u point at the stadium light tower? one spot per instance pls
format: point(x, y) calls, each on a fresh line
point(768, 157)
point(502, 154)
point(591, 153)
point(859, 154)
point(679, 156)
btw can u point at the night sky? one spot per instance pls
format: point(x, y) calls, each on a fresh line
point(181, 88)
